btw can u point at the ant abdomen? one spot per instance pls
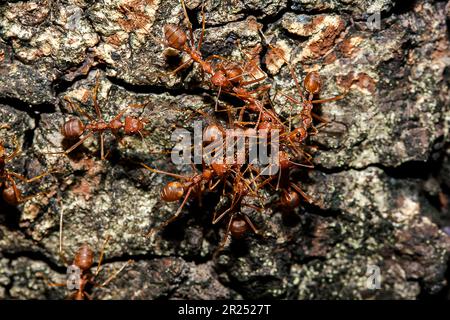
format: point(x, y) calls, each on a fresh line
point(175, 36)
point(72, 129)
point(9, 196)
point(238, 228)
point(299, 134)
point(84, 258)
point(173, 191)
point(312, 82)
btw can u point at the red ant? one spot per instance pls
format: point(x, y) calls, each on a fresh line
point(74, 128)
point(225, 75)
point(177, 190)
point(239, 223)
point(313, 85)
point(291, 192)
point(79, 275)
point(11, 193)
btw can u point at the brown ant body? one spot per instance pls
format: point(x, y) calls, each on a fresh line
point(239, 223)
point(182, 189)
point(225, 75)
point(79, 272)
point(74, 128)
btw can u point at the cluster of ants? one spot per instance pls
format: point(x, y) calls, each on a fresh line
point(243, 183)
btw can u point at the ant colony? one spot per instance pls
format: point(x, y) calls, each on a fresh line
point(244, 185)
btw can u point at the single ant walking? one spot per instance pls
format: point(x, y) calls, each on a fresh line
point(74, 128)
point(80, 278)
point(313, 85)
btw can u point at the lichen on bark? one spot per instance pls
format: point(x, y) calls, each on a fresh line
point(382, 169)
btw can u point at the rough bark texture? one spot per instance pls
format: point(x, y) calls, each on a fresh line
point(382, 175)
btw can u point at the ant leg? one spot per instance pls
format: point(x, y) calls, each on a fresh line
point(17, 194)
point(330, 99)
point(76, 145)
point(217, 98)
point(102, 146)
point(47, 280)
point(18, 197)
point(250, 223)
point(94, 95)
point(180, 67)
point(225, 237)
point(102, 252)
point(19, 176)
point(215, 56)
point(174, 217)
point(290, 98)
point(199, 45)
point(241, 114)
point(61, 250)
point(279, 179)
point(233, 204)
point(188, 22)
point(74, 105)
point(112, 277)
point(211, 188)
point(249, 82)
point(310, 166)
point(163, 172)
point(302, 193)
point(324, 121)
point(16, 151)
point(87, 295)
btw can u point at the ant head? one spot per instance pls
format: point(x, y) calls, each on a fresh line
point(219, 168)
point(175, 37)
point(173, 191)
point(290, 199)
point(9, 195)
point(312, 82)
point(72, 129)
point(212, 133)
point(207, 174)
point(219, 79)
point(133, 125)
point(84, 257)
point(267, 116)
point(299, 134)
point(238, 227)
